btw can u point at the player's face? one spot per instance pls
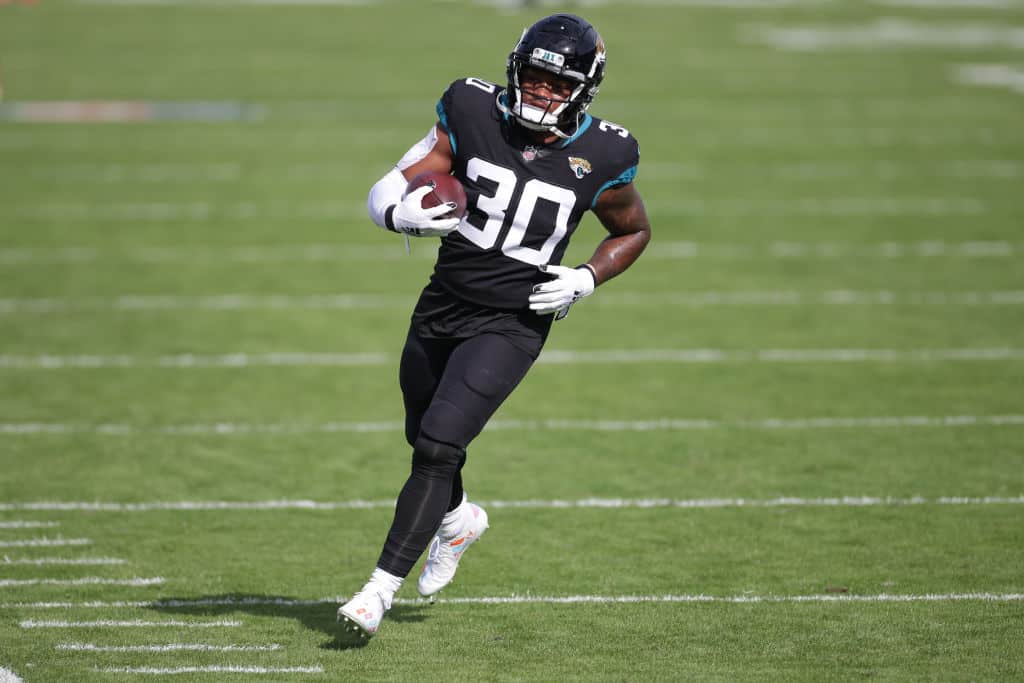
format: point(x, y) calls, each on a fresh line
point(540, 88)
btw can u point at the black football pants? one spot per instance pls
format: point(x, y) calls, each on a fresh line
point(451, 388)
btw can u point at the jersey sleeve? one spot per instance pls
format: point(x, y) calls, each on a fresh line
point(625, 165)
point(463, 106)
point(446, 113)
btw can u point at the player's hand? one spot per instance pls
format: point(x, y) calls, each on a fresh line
point(411, 218)
point(568, 286)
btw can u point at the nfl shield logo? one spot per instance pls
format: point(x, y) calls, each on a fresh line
point(530, 153)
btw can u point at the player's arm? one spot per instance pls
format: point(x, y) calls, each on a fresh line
point(432, 153)
point(622, 213)
point(389, 206)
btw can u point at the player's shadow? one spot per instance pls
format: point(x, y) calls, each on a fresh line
point(316, 615)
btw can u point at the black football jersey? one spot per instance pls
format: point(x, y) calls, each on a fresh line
point(524, 200)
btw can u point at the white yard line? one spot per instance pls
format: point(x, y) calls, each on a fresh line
point(701, 356)
point(69, 561)
point(583, 503)
point(828, 171)
point(839, 297)
point(657, 424)
point(216, 302)
point(194, 211)
point(84, 581)
point(309, 253)
point(229, 3)
point(826, 207)
point(213, 668)
point(704, 4)
point(8, 676)
point(184, 361)
point(549, 357)
point(517, 4)
point(173, 603)
point(651, 425)
point(44, 542)
point(739, 599)
point(337, 210)
point(991, 75)
point(161, 173)
point(506, 599)
point(952, 4)
point(132, 623)
point(26, 524)
point(814, 251)
point(831, 251)
point(130, 111)
point(889, 32)
point(168, 647)
point(232, 171)
point(347, 301)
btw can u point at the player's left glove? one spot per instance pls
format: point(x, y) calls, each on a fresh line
point(568, 286)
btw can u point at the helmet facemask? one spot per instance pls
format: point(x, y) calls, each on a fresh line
point(563, 98)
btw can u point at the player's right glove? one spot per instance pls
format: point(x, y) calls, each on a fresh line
point(410, 217)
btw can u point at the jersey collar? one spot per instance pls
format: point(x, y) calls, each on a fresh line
point(587, 118)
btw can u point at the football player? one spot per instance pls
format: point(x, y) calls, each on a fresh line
point(532, 161)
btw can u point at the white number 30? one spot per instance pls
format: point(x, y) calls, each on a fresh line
point(496, 206)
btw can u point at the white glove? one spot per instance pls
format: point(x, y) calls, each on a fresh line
point(569, 286)
point(410, 217)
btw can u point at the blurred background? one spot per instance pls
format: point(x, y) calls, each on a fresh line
point(190, 177)
point(834, 189)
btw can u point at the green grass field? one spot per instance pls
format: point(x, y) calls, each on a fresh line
point(787, 445)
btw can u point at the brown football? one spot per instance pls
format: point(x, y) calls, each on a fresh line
point(446, 189)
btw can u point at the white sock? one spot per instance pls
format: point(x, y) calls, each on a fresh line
point(384, 583)
point(455, 521)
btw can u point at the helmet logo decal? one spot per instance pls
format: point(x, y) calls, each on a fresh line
point(547, 57)
point(579, 166)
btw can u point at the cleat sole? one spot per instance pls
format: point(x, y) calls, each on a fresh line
point(351, 629)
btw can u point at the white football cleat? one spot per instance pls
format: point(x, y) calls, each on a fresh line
point(444, 554)
point(361, 615)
